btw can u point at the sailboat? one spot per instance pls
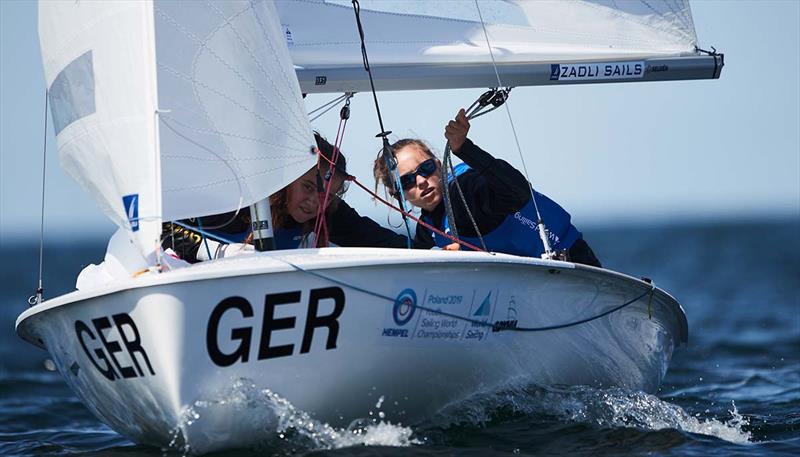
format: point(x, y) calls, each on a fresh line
point(167, 110)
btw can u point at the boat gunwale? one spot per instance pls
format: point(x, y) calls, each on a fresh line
point(333, 259)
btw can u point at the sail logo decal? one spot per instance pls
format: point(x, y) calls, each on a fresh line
point(444, 313)
point(131, 205)
point(597, 71)
point(100, 347)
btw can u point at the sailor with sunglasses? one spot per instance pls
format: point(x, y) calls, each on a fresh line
point(497, 195)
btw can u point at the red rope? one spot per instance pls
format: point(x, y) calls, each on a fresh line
point(418, 220)
point(321, 226)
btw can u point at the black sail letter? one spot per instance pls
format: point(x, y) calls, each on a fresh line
point(242, 334)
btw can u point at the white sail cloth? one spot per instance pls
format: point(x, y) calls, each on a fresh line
point(165, 110)
point(402, 32)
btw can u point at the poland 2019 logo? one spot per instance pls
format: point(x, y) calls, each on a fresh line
point(404, 306)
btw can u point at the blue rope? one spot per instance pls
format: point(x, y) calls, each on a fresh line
point(476, 322)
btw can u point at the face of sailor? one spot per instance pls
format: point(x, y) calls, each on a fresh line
point(423, 181)
point(302, 199)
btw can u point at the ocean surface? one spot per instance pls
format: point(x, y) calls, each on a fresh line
point(734, 390)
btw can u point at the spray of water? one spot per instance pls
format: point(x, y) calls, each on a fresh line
point(606, 408)
point(263, 420)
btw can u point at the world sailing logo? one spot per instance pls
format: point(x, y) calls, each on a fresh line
point(131, 205)
point(485, 307)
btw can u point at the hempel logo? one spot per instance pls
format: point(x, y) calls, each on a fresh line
point(404, 306)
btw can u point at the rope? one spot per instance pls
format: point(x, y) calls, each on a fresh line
point(37, 297)
point(329, 106)
point(495, 97)
point(495, 327)
point(321, 226)
point(388, 155)
point(545, 241)
point(414, 218)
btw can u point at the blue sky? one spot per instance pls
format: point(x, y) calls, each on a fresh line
point(610, 154)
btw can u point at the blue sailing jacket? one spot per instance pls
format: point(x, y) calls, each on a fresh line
point(518, 234)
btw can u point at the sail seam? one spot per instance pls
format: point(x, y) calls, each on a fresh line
point(226, 181)
point(231, 100)
point(204, 45)
point(228, 22)
point(233, 135)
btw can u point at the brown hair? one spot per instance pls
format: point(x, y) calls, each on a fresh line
point(278, 200)
point(381, 171)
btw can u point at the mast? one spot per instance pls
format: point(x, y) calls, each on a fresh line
point(261, 225)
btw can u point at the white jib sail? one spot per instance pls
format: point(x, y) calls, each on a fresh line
point(98, 65)
point(166, 110)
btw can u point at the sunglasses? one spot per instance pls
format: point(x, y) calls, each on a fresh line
point(425, 169)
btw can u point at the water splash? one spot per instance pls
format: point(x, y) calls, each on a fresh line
point(245, 416)
point(605, 408)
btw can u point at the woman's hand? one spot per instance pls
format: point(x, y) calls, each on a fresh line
point(456, 131)
point(453, 247)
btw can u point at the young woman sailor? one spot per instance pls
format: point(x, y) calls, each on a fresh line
point(294, 216)
point(497, 195)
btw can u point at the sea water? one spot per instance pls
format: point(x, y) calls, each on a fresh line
point(735, 389)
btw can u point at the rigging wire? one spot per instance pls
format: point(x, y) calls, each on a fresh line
point(388, 154)
point(37, 297)
point(329, 106)
point(548, 251)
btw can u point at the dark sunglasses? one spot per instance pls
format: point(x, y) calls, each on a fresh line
point(425, 169)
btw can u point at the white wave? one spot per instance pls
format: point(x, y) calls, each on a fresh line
point(261, 419)
point(606, 408)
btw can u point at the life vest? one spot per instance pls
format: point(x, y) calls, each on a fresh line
point(518, 233)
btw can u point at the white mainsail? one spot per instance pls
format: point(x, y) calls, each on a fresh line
point(166, 110)
point(441, 44)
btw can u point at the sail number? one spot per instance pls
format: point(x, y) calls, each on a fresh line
point(104, 348)
point(242, 336)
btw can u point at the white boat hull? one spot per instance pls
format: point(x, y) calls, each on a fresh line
point(310, 326)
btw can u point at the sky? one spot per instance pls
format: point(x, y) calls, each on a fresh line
point(612, 154)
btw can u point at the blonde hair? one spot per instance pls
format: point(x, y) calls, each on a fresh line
point(380, 169)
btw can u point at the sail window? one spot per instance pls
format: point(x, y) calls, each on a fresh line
point(72, 92)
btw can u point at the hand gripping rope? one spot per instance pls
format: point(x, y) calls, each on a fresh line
point(495, 98)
